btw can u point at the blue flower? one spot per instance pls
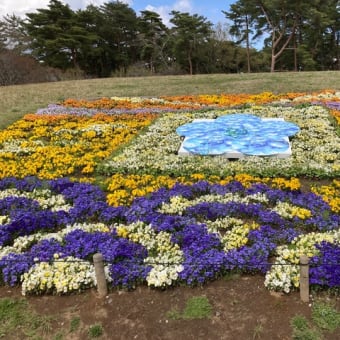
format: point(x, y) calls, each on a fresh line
point(203, 255)
point(324, 268)
point(239, 132)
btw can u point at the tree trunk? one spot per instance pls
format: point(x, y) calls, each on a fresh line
point(247, 43)
point(295, 55)
point(190, 62)
point(190, 65)
point(272, 66)
point(278, 35)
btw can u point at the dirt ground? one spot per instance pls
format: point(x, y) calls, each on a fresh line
point(242, 309)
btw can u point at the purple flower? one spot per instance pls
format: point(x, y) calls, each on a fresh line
point(203, 255)
point(325, 267)
point(13, 266)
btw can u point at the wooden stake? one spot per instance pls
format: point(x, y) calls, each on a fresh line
point(304, 278)
point(100, 274)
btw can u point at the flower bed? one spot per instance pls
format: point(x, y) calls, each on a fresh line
point(52, 146)
point(165, 220)
point(315, 149)
point(186, 234)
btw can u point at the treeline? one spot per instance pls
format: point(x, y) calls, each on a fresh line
point(300, 34)
point(110, 39)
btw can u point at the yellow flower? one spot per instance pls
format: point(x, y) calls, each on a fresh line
point(50, 146)
point(122, 232)
point(330, 194)
point(198, 177)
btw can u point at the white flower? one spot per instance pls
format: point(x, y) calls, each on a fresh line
point(157, 148)
point(64, 276)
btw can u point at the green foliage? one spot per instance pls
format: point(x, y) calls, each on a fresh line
point(154, 41)
point(230, 276)
point(95, 331)
point(10, 313)
point(15, 314)
point(190, 34)
point(173, 314)
point(302, 330)
point(55, 35)
point(197, 307)
point(75, 323)
point(58, 336)
point(13, 35)
point(118, 27)
point(302, 35)
point(258, 329)
point(326, 317)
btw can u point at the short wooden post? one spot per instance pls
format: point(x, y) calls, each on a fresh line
point(100, 274)
point(304, 278)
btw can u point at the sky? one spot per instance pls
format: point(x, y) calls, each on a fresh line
point(212, 9)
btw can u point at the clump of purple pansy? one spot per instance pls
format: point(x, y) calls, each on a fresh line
point(325, 267)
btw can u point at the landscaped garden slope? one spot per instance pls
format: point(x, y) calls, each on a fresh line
point(83, 177)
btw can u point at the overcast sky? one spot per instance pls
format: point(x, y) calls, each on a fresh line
point(211, 9)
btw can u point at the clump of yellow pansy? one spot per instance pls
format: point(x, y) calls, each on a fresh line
point(330, 194)
point(4, 219)
point(237, 236)
point(286, 183)
point(124, 188)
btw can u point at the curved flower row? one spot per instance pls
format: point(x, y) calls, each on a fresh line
point(123, 189)
point(135, 105)
point(118, 105)
point(64, 145)
point(286, 274)
point(198, 101)
point(189, 233)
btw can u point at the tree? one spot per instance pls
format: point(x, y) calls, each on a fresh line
point(154, 40)
point(94, 56)
point(118, 32)
point(281, 19)
point(13, 35)
point(221, 51)
point(240, 15)
point(321, 34)
point(190, 34)
point(22, 69)
point(56, 36)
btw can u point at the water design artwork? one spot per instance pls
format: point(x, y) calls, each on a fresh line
point(237, 134)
